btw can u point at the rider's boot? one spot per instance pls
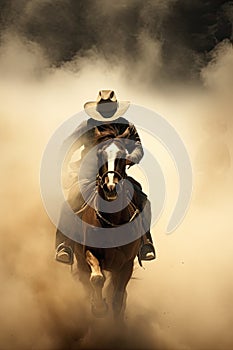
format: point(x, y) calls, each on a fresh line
point(64, 254)
point(147, 250)
point(64, 249)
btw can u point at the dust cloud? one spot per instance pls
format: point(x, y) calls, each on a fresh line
point(183, 300)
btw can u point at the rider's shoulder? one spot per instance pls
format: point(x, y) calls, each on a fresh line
point(94, 122)
point(91, 122)
point(123, 120)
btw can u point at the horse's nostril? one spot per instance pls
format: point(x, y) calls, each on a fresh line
point(111, 187)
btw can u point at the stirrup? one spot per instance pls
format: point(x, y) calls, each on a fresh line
point(147, 252)
point(64, 254)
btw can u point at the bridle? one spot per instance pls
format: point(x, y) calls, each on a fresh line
point(100, 178)
point(100, 182)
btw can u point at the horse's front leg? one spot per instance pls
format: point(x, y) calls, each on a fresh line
point(120, 281)
point(83, 269)
point(99, 306)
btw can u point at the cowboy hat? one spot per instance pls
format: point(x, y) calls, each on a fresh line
point(106, 107)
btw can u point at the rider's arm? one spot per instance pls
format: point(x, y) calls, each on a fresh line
point(74, 142)
point(134, 148)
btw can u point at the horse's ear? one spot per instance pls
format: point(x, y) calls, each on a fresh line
point(125, 134)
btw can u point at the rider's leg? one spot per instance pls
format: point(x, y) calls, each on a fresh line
point(147, 250)
point(64, 245)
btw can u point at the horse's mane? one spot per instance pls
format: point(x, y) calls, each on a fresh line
point(111, 132)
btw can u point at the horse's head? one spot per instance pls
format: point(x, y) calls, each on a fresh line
point(111, 164)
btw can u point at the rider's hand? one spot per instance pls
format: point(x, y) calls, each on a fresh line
point(129, 162)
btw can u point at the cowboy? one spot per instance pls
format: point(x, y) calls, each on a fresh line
point(106, 115)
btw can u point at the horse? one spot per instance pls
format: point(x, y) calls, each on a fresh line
point(112, 186)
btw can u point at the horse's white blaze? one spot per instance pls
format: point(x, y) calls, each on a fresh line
point(111, 152)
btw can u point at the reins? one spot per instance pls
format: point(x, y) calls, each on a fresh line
point(100, 216)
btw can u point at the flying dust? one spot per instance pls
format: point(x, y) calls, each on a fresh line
point(183, 300)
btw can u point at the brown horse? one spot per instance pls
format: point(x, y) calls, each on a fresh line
point(112, 189)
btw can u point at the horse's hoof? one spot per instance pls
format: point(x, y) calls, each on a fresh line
point(100, 311)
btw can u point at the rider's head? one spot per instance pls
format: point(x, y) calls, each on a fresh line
point(107, 103)
point(106, 107)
